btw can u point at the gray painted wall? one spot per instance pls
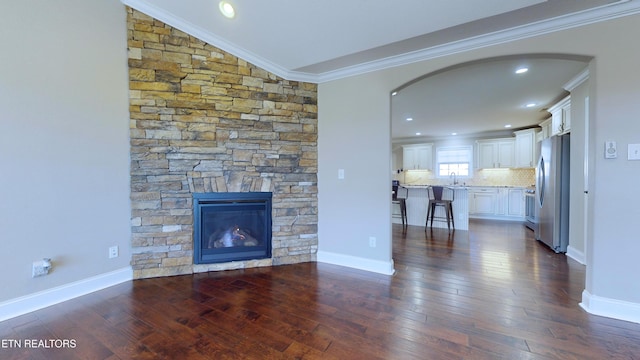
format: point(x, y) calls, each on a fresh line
point(349, 107)
point(64, 142)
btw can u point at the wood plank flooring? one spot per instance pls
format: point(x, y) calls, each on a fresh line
point(490, 293)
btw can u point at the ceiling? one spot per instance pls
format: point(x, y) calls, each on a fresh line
point(482, 98)
point(319, 41)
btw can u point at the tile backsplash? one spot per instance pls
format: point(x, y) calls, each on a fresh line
point(486, 177)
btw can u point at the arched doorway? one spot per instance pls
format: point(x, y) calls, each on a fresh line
point(457, 106)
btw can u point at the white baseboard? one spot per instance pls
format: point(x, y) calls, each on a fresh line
point(42, 299)
point(381, 267)
point(576, 255)
point(611, 308)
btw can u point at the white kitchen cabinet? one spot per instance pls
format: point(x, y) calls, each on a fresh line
point(515, 202)
point(496, 153)
point(561, 117)
point(525, 156)
point(506, 151)
point(545, 131)
point(417, 157)
point(502, 203)
point(484, 204)
point(486, 154)
point(566, 120)
point(496, 203)
point(482, 201)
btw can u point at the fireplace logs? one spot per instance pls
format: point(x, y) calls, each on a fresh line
point(234, 236)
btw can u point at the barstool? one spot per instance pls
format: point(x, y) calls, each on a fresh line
point(399, 196)
point(438, 198)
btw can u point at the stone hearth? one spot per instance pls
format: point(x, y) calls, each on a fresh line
point(203, 120)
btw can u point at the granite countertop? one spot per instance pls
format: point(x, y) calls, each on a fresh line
point(415, 186)
point(420, 186)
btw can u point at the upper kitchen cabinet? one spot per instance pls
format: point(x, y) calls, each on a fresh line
point(417, 157)
point(525, 156)
point(496, 153)
point(561, 117)
point(545, 131)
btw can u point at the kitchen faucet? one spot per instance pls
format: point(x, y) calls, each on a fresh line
point(453, 174)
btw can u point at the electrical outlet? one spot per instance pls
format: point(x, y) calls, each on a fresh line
point(610, 150)
point(41, 267)
point(113, 252)
point(372, 241)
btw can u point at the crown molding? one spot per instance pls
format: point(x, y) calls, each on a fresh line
point(577, 80)
point(586, 17)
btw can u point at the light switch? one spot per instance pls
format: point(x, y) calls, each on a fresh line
point(340, 174)
point(633, 152)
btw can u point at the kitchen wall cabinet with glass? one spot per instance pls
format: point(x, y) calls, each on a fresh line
point(417, 157)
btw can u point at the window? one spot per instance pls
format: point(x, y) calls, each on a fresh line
point(454, 159)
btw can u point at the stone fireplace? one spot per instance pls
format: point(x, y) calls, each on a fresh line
point(204, 121)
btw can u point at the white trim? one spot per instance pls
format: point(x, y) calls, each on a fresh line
point(42, 299)
point(577, 80)
point(576, 255)
point(377, 266)
point(586, 17)
point(611, 308)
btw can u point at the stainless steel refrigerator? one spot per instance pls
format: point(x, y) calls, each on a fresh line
point(552, 192)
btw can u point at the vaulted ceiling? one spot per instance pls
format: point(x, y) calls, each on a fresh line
point(319, 41)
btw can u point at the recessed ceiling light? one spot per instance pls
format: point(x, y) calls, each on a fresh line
point(454, 134)
point(530, 105)
point(507, 126)
point(522, 70)
point(227, 9)
point(418, 133)
point(409, 119)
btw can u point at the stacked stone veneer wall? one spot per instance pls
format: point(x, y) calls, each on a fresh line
point(203, 120)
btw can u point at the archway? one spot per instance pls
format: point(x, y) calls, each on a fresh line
point(476, 100)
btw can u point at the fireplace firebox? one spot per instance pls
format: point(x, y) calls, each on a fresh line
point(231, 226)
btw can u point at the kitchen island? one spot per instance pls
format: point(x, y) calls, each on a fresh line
point(418, 199)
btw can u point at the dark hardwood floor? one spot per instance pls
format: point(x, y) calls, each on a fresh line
point(490, 293)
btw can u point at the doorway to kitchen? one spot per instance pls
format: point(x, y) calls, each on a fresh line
point(451, 107)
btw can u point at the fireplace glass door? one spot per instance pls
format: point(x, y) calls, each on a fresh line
point(231, 227)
